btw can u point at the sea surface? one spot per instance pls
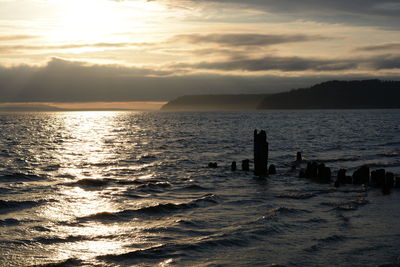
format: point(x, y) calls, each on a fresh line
point(133, 189)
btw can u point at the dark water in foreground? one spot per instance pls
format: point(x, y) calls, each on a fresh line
point(126, 188)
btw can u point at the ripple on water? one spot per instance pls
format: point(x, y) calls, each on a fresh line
point(160, 209)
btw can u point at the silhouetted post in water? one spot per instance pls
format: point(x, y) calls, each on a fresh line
point(361, 176)
point(272, 169)
point(212, 165)
point(397, 182)
point(312, 170)
point(299, 158)
point(388, 183)
point(389, 179)
point(324, 173)
point(233, 166)
point(378, 178)
point(341, 176)
point(260, 153)
point(246, 165)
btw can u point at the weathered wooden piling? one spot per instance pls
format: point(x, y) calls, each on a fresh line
point(299, 158)
point(260, 153)
point(233, 166)
point(389, 179)
point(312, 170)
point(212, 165)
point(378, 178)
point(324, 173)
point(361, 176)
point(341, 176)
point(397, 184)
point(246, 165)
point(272, 169)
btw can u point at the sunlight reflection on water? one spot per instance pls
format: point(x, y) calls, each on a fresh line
point(87, 145)
point(126, 188)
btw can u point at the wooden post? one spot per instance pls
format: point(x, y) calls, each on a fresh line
point(299, 158)
point(246, 165)
point(260, 153)
point(233, 166)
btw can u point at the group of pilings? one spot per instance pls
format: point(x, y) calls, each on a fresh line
point(261, 167)
point(314, 170)
point(362, 176)
point(246, 168)
point(377, 178)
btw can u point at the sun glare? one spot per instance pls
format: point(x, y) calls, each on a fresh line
point(102, 20)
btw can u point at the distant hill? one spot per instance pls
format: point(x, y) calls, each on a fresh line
point(28, 107)
point(215, 102)
point(338, 95)
point(327, 95)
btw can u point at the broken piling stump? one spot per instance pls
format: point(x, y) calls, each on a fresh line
point(246, 165)
point(272, 169)
point(233, 166)
point(260, 153)
point(378, 178)
point(212, 165)
point(324, 173)
point(397, 185)
point(299, 158)
point(361, 176)
point(389, 179)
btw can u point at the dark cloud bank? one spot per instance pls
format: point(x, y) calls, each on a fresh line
point(381, 13)
point(251, 39)
point(289, 64)
point(65, 81)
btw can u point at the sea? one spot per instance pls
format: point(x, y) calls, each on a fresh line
point(134, 189)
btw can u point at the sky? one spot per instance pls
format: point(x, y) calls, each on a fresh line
point(156, 50)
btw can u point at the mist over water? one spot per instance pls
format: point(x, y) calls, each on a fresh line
point(132, 188)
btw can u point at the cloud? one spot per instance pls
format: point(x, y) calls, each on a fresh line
point(377, 47)
point(385, 62)
point(291, 64)
point(17, 37)
point(251, 39)
point(380, 13)
point(72, 46)
point(68, 81)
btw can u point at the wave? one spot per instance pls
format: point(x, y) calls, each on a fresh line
point(7, 206)
point(4, 190)
point(68, 262)
point(55, 240)
point(334, 160)
point(152, 253)
point(174, 250)
point(9, 222)
point(159, 209)
point(347, 206)
point(153, 186)
point(177, 230)
point(92, 182)
point(391, 154)
point(147, 158)
point(385, 164)
point(297, 195)
point(17, 177)
point(321, 242)
point(51, 168)
point(103, 182)
point(316, 220)
point(332, 238)
point(193, 187)
point(283, 210)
